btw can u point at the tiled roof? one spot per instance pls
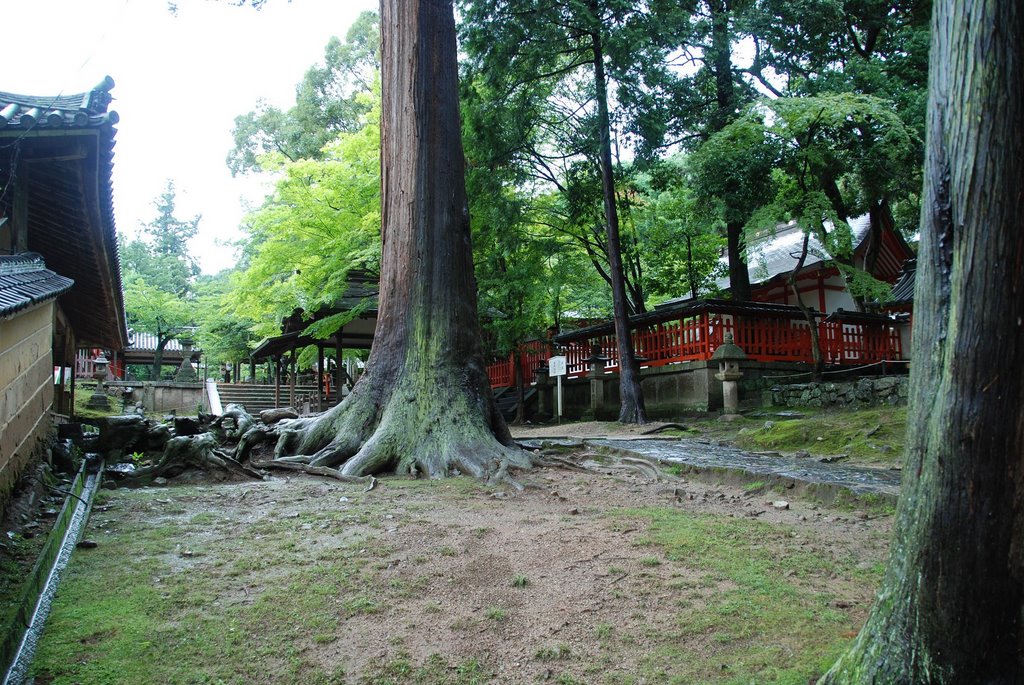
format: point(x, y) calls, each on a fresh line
point(903, 289)
point(25, 281)
point(62, 148)
point(147, 342)
point(778, 254)
point(58, 111)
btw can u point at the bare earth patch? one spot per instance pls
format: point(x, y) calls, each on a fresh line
point(579, 578)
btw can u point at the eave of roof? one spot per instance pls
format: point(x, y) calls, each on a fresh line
point(25, 281)
point(903, 290)
point(65, 145)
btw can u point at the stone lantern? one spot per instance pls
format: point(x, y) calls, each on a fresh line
point(99, 399)
point(729, 355)
point(185, 374)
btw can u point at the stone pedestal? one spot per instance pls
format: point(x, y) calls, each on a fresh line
point(730, 392)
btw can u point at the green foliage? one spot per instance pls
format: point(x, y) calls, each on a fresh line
point(681, 246)
point(533, 113)
point(159, 276)
point(322, 221)
point(223, 334)
point(329, 101)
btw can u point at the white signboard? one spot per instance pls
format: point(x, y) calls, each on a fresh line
point(556, 366)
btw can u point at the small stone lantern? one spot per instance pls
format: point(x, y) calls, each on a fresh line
point(185, 374)
point(99, 399)
point(729, 355)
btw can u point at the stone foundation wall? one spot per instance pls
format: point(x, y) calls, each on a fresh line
point(165, 396)
point(873, 391)
point(669, 391)
point(26, 391)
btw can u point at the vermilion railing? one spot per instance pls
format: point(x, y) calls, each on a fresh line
point(531, 355)
point(764, 337)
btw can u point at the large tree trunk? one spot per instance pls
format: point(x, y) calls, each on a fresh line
point(818, 364)
point(720, 59)
point(631, 397)
point(424, 404)
point(949, 610)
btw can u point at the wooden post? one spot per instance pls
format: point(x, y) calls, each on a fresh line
point(277, 381)
point(292, 369)
point(339, 367)
point(319, 377)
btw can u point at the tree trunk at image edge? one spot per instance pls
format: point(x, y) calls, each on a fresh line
point(424, 405)
point(950, 606)
point(631, 397)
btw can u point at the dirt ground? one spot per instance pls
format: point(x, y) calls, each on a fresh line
point(563, 581)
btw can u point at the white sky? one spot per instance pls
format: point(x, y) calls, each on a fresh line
point(181, 81)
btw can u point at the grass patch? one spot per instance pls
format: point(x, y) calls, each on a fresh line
point(872, 436)
point(553, 652)
point(752, 577)
point(496, 613)
point(520, 581)
point(139, 609)
point(436, 670)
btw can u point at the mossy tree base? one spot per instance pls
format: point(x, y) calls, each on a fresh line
point(434, 431)
point(424, 405)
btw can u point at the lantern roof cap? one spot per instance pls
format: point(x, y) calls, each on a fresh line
point(728, 351)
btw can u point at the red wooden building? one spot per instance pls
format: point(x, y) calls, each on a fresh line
point(771, 328)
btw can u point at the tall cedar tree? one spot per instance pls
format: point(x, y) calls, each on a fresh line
point(536, 46)
point(424, 405)
point(949, 610)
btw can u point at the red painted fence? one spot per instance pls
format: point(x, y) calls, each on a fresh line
point(764, 338)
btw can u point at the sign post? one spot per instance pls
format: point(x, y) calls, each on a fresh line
point(557, 368)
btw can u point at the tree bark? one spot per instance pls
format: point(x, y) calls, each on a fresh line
point(949, 610)
point(720, 58)
point(631, 397)
point(424, 404)
point(818, 364)
point(739, 276)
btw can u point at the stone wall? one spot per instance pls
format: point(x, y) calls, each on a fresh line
point(26, 390)
point(870, 391)
point(165, 396)
point(669, 391)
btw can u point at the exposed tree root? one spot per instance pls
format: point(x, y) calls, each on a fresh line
point(435, 433)
point(593, 462)
point(369, 481)
point(194, 450)
point(234, 422)
point(664, 427)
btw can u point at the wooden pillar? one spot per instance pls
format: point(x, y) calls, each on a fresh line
point(252, 371)
point(339, 367)
point(292, 368)
point(319, 377)
point(277, 381)
point(19, 218)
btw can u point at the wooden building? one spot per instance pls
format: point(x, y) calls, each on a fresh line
point(60, 283)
